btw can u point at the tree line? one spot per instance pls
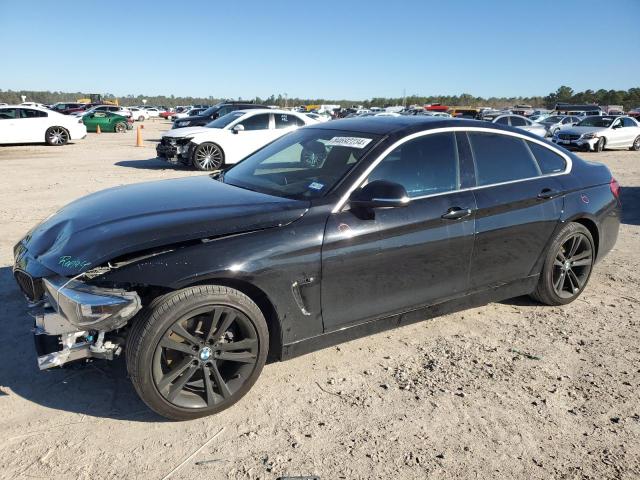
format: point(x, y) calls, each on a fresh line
point(628, 98)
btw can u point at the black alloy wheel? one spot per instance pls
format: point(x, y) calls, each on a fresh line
point(572, 265)
point(205, 357)
point(567, 267)
point(197, 351)
point(207, 157)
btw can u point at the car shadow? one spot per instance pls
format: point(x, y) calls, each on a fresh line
point(99, 388)
point(630, 198)
point(150, 164)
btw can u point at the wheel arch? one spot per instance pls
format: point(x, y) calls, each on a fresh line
point(592, 226)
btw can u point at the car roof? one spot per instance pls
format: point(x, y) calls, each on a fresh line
point(409, 124)
point(255, 111)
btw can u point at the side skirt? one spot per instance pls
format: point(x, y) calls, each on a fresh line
point(495, 294)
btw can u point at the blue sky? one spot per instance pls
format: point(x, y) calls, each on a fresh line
point(322, 48)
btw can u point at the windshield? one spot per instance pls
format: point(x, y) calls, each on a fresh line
point(554, 119)
point(210, 111)
point(304, 164)
point(225, 120)
point(596, 122)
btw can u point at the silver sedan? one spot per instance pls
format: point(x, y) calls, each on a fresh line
point(522, 123)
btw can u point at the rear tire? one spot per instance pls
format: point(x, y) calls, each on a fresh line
point(636, 145)
point(567, 266)
point(197, 351)
point(120, 127)
point(56, 136)
point(141, 118)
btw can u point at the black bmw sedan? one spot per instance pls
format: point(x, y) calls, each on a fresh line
point(331, 232)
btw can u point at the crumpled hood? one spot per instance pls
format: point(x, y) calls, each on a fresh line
point(121, 220)
point(185, 132)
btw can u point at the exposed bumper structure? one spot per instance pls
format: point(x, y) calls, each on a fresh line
point(72, 323)
point(58, 343)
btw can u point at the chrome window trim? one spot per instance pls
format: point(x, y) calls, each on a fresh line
point(345, 198)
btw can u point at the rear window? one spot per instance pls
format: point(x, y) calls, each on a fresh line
point(549, 161)
point(501, 158)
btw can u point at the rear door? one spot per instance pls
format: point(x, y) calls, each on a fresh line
point(33, 125)
point(519, 202)
point(9, 125)
point(402, 257)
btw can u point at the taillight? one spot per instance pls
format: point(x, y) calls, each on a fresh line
point(615, 188)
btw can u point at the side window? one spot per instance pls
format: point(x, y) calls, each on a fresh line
point(627, 122)
point(566, 120)
point(28, 113)
point(285, 121)
point(224, 110)
point(503, 121)
point(424, 166)
point(518, 122)
point(8, 113)
point(256, 122)
point(549, 161)
point(501, 158)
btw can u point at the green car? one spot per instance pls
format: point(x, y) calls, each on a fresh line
point(108, 121)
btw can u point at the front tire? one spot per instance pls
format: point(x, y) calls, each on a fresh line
point(599, 147)
point(636, 144)
point(567, 266)
point(56, 136)
point(141, 118)
point(208, 156)
point(197, 351)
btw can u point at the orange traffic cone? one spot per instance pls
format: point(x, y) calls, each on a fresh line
point(139, 142)
point(98, 131)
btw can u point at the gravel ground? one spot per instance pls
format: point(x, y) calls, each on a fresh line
point(509, 390)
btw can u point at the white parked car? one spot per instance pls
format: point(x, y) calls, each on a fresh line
point(228, 139)
point(521, 123)
point(125, 112)
point(33, 104)
point(23, 124)
point(595, 133)
point(152, 111)
point(139, 114)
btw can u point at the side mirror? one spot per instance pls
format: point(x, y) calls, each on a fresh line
point(238, 128)
point(379, 194)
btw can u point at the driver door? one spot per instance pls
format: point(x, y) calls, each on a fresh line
point(256, 131)
point(405, 257)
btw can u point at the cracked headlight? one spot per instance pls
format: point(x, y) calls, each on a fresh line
point(89, 307)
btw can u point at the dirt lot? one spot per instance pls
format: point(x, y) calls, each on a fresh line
point(509, 390)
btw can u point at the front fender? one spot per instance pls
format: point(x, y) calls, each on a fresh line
point(271, 260)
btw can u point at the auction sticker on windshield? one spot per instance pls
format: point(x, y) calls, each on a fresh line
point(353, 142)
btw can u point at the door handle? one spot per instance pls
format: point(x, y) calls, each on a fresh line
point(547, 193)
point(456, 213)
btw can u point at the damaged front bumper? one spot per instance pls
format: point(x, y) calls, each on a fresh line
point(73, 319)
point(173, 151)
